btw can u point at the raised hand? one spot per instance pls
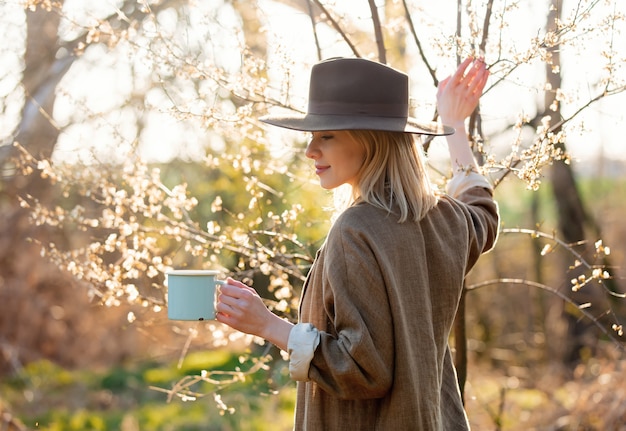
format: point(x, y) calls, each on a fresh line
point(457, 97)
point(458, 94)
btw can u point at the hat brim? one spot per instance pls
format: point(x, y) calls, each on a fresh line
point(317, 122)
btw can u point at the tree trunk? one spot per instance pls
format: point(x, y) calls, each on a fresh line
point(42, 73)
point(571, 214)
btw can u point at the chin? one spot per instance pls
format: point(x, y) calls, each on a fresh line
point(328, 186)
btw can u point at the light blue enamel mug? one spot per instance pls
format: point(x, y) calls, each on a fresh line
point(191, 294)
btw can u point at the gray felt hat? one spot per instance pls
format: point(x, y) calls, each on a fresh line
point(357, 94)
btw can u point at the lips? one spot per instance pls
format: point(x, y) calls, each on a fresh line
point(319, 169)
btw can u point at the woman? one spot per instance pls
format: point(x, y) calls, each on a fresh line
point(370, 351)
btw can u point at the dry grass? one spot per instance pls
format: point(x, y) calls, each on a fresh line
point(549, 398)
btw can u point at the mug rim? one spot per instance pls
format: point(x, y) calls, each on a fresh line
point(192, 272)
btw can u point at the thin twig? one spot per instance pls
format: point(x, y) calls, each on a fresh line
point(337, 27)
point(578, 257)
point(562, 296)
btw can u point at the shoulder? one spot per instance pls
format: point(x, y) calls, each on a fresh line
point(364, 217)
point(361, 224)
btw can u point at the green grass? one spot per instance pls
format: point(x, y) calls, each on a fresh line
point(47, 397)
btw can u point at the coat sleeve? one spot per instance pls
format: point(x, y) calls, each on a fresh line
point(481, 211)
point(354, 358)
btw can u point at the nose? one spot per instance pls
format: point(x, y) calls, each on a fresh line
point(312, 151)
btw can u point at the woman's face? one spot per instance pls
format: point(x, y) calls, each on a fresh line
point(338, 158)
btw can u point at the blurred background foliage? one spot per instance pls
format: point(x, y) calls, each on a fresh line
point(130, 145)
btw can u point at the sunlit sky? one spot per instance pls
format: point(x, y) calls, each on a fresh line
point(290, 33)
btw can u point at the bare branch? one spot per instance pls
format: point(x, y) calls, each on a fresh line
point(475, 122)
point(580, 260)
point(380, 42)
point(337, 27)
point(314, 28)
point(431, 70)
point(581, 307)
point(487, 20)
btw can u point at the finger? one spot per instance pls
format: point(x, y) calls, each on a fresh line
point(472, 72)
point(479, 67)
point(226, 319)
point(480, 80)
point(229, 306)
point(229, 300)
point(234, 282)
point(236, 288)
point(240, 285)
point(230, 290)
point(461, 70)
point(475, 76)
point(477, 81)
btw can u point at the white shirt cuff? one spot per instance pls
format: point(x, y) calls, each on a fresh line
point(303, 340)
point(462, 181)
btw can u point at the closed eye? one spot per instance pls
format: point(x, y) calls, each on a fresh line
point(324, 136)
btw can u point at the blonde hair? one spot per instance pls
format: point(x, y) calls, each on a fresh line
point(393, 174)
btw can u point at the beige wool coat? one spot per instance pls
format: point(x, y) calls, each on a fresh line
point(383, 296)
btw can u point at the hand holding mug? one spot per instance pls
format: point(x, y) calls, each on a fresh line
point(240, 307)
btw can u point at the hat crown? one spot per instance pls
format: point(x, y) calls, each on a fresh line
point(357, 94)
point(355, 86)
